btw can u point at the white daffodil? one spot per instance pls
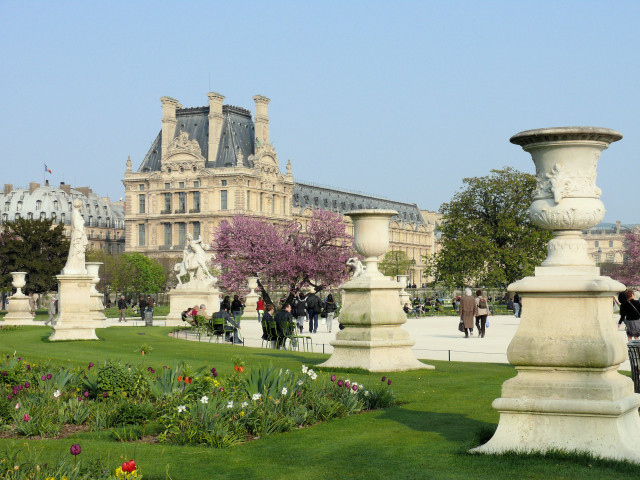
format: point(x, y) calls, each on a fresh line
point(366, 393)
point(304, 369)
point(300, 382)
point(310, 372)
point(314, 376)
point(204, 399)
point(245, 404)
point(257, 396)
point(230, 404)
point(182, 408)
point(56, 394)
point(360, 387)
point(287, 372)
point(284, 390)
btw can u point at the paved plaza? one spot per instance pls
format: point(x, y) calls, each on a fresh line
point(437, 338)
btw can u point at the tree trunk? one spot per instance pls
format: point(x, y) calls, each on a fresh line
point(265, 296)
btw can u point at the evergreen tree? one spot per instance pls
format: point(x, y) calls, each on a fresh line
point(37, 247)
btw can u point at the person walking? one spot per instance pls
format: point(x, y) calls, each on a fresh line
point(517, 305)
point(330, 306)
point(630, 313)
point(313, 309)
point(483, 312)
point(468, 311)
point(142, 306)
point(300, 310)
point(260, 309)
point(122, 307)
point(53, 309)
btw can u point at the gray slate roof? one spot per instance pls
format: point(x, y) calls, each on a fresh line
point(237, 134)
point(306, 194)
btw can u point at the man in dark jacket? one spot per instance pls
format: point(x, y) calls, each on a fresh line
point(230, 325)
point(313, 309)
point(122, 306)
point(142, 305)
point(282, 318)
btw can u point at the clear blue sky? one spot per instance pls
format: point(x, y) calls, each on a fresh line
point(399, 99)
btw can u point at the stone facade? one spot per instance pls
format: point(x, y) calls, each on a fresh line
point(605, 242)
point(104, 220)
point(210, 163)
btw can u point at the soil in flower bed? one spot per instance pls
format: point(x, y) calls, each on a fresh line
point(66, 431)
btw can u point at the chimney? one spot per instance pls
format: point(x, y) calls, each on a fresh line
point(46, 183)
point(84, 190)
point(618, 227)
point(33, 186)
point(215, 124)
point(65, 188)
point(169, 107)
point(8, 188)
point(128, 164)
point(262, 119)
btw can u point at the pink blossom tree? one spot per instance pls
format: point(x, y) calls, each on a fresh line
point(629, 272)
point(285, 254)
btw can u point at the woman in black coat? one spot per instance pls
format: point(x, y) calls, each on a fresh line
point(630, 314)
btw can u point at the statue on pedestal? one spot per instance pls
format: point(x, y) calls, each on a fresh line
point(194, 262)
point(75, 262)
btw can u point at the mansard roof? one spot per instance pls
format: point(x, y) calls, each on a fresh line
point(310, 195)
point(237, 135)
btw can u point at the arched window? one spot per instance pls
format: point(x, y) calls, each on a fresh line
point(43, 215)
point(39, 205)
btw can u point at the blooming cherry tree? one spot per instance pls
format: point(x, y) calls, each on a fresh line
point(284, 254)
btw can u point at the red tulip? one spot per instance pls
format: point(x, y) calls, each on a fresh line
point(129, 466)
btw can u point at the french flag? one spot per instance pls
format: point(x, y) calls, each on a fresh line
point(46, 169)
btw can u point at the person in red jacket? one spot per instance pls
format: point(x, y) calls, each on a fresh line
point(260, 309)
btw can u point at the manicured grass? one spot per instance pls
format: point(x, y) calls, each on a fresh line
point(427, 436)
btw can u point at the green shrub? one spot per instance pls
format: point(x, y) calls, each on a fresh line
point(130, 413)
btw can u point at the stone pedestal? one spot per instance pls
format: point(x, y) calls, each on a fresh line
point(373, 338)
point(404, 296)
point(567, 394)
point(97, 309)
point(18, 310)
point(251, 300)
point(180, 299)
point(76, 319)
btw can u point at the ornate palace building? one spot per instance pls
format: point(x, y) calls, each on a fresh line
point(104, 221)
point(210, 163)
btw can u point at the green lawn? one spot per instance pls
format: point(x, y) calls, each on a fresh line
point(427, 436)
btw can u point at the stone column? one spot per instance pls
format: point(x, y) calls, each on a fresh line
point(18, 311)
point(169, 107)
point(97, 309)
point(373, 338)
point(251, 300)
point(567, 394)
point(261, 119)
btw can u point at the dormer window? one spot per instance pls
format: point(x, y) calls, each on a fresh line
point(19, 205)
point(39, 205)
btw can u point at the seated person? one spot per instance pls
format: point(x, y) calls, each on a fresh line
point(406, 308)
point(283, 318)
point(187, 316)
point(230, 325)
point(202, 312)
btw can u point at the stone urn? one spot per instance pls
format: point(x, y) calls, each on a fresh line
point(566, 199)
point(19, 281)
point(93, 270)
point(404, 296)
point(567, 394)
point(373, 337)
point(251, 300)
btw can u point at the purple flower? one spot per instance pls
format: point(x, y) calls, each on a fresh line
point(86, 394)
point(19, 359)
point(299, 393)
point(215, 374)
point(75, 449)
point(354, 388)
point(15, 390)
point(90, 365)
point(27, 384)
point(4, 373)
point(49, 376)
point(43, 378)
point(213, 370)
point(222, 389)
point(383, 379)
point(26, 417)
point(340, 383)
point(105, 394)
point(20, 387)
point(28, 367)
point(79, 399)
point(151, 370)
point(347, 384)
point(389, 382)
point(9, 396)
point(333, 378)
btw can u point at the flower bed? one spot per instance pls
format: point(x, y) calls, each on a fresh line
point(175, 404)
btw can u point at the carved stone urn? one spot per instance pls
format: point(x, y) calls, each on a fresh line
point(567, 394)
point(404, 296)
point(251, 299)
point(18, 282)
point(373, 338)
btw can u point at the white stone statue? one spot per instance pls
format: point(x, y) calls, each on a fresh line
point(356, 265)
point(76, 260)
point(194, 262)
